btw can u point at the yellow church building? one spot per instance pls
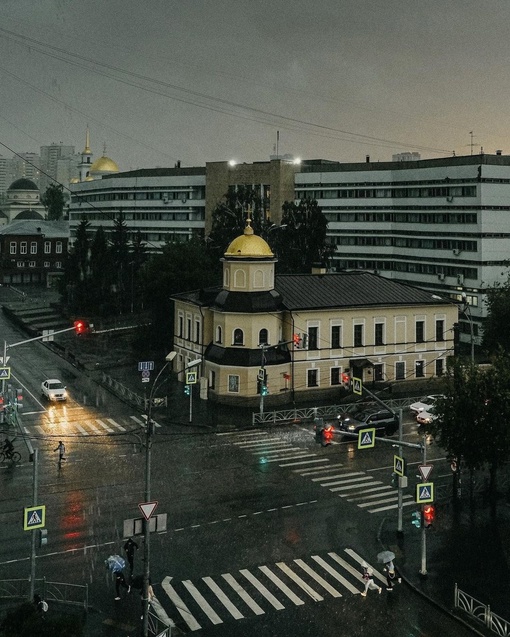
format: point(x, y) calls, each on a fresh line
point(298, 334)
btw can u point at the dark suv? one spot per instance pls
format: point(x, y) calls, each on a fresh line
point(384, 421)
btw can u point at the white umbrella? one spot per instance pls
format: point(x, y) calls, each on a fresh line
point(385, 557)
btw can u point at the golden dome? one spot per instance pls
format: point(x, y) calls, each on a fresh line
point(89, 178)
point(74, 180)
point(248, 245)
point(104, 164)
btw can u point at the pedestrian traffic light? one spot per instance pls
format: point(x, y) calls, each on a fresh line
point(2, 404)
point(327, 435)
point(416, 521)
point(264, 391)
point(297, 340)
point(187, 389)
point(19, 397)
point(429, 514)
point(346, 380)
point(81, 327)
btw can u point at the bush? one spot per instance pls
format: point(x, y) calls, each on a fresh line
point(26, 621)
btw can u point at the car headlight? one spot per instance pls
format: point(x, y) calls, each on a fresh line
point(351, 427)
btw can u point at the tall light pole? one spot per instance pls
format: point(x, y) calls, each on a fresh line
point(146, 523)
point(466, 310)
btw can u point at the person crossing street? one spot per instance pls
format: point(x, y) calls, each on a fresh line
point(368, 578)
point(61, 448)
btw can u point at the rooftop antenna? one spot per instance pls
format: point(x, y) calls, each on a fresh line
point(277, 143)
point(471, 144)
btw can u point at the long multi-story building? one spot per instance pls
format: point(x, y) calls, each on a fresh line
point(439, 224)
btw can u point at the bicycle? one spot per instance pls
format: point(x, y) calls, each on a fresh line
point(15, 456)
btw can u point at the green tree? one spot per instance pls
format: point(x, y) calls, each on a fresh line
point(54, 201)
point(120, 258)
point(101, 273)
point(302, 240)
point(495, 334)
point(75, 286)
point(25, 621)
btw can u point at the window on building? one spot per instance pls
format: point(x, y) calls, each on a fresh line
point(400, 370)
point(181, 326)
point(46, 264)
point(379, 334)
point(12, 247)
point(233, 383)
point(58, 264)
point(313, 337)
point(439, 330)
point(439, 366)
point(197, 331)
point(47, 247)
point(219, 335)
point(33, 247)
point(335, 375)
point(419, 369)
point(358, 335)
point(31, 264)
point(336, 342)
point(20, 264)
point(420, 331)
point(58, 247)
point(312, 378)
point(23, 247)
point(263, 337)
point(238, 337)
point(379, 372)
point(188, 329)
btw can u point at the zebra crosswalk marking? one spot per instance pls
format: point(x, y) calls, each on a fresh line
point(184, 611)
point(115, 424)
point(247, 433)
point(254, 445)
point(335, 574)
point(104, 426)
point(301, 583)
point(83, 431)
point(362, 493)
point(247, 599)
point(294, 464)
point(320, 580)
point(330, 467)
point(90, 424)
point(262, 590)
point(40, 429)
point(202, 602)
point(235, 612)
point(305, 455)
point(143, 422)
point(328, 479)
point(283, 587)
point(348, 567)
point(357, 497)
point(410, 502)
point(267, 452)
point(355, 484)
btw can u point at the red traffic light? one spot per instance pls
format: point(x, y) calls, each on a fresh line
point(297, 340)
point(81, 327)
point(429, 514)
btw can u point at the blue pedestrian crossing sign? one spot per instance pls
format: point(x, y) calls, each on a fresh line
point(34, 517)
point(366, 438)
point(425, 492)
point(191, 378)
point(399, 466)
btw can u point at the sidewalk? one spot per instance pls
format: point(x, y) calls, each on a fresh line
point(468, 550)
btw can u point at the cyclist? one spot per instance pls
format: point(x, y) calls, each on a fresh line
point(8, 448)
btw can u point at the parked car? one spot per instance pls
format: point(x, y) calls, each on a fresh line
point(424, 403)
point(426, 417)
point(384, 421)
point(54, 390)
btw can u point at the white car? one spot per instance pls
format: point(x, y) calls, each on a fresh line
point(54, 390)
point(424, 404)
point(426, 417)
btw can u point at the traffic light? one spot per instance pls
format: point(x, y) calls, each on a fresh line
point(297, 340)
point(81, 327)
point(19, 397)
point(327, 435)
point(416, 521)
point(2, 404)
point(187, 389)
point(429, 514)
point(346, 380)
point(264, 391)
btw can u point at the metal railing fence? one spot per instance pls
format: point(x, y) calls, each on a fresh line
point(73, 594)
point(482, 613)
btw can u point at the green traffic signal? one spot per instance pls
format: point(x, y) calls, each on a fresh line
point(187, 390)
point(416, 521)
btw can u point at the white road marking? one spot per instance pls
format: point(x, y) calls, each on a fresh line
point(359, 559)
point(355, 484)
point(247, 599)
point(301, 583)
point(295, 464)
point(283, 587)
point(262, 590)
point(104, 426)
point(115, 424)
point(320, 580)
point(327, 567)
point(202, 602)
point(331, 467)
point(236, 614)
point(184, 611)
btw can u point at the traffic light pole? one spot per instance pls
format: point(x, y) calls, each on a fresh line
point(423, 570)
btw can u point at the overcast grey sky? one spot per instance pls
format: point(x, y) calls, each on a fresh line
point(209, 80)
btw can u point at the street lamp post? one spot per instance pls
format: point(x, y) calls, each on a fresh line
point(146, 523)
point(466, 310)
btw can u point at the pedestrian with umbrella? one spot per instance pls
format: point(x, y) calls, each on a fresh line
point(116, 564)
point(392, 575)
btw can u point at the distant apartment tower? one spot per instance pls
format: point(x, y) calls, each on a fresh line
point(59, 164)
point(406, 157)
point(24, 165)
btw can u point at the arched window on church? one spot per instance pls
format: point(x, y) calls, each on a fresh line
point(219, 335)
point(258, 279)
point(240, 279)
point(263, 337)
point(238, 336)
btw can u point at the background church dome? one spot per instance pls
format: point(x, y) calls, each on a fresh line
point(104, 164)
point(249, 245)
point(28, 214)
point(23, 184)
